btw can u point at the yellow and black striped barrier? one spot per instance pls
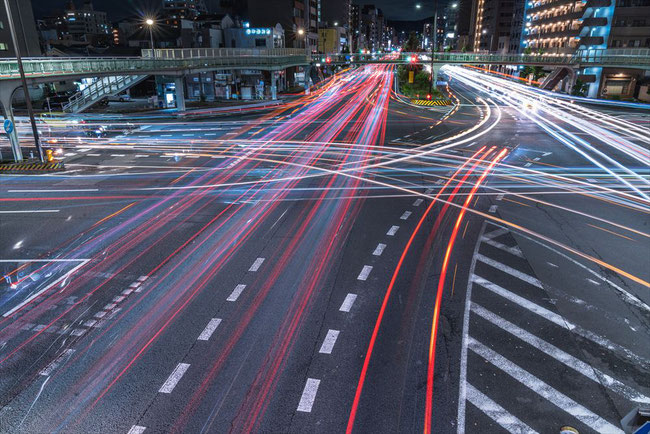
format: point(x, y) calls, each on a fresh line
point(32, 167)
point(433, 102)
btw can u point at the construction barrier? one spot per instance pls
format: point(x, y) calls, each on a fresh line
point(31, 167)
point(426, 102)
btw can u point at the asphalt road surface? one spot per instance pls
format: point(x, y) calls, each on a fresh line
point(344, 262)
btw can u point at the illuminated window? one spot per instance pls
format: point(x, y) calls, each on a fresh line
point(3, 46)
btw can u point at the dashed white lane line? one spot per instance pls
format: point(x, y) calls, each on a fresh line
point(236, 292)
point(365, 272)
point(209, 329)
point(329, 341)
point(497, 413)
point(418, 202)
point(257, 264)
point(308, 395)
point(528, 164)
point(500, 197)
point(56, 362)
point(137, 429)
point(493, 209)
point(174, 378)
point(94, 155)
point(379, 249)
point(509, 270)
point(392, 231)
point(118, 155)
point(188, 135)
point(348, 302)
point(561, 356)
point(74, 190)
point(541, 388)
point(142, 278)
point(141, 155)
point(405, 215)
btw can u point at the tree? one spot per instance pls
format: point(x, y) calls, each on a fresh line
point(412, 44)
point(580, 88)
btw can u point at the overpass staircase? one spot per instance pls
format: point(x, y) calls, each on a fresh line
point(100, 89)
point(554, 78)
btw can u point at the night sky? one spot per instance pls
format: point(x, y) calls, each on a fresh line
point(117, 9)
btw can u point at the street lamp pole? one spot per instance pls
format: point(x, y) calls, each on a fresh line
point(150, 23)
point(23, 80)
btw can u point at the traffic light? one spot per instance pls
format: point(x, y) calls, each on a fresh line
point(429, 97)
point(413, 59)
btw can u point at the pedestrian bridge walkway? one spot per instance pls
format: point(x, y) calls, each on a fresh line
point(184, 61)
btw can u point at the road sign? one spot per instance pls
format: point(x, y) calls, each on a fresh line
point(8, 126)
point(644, 429)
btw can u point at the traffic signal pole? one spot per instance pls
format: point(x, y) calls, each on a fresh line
point(28, 101)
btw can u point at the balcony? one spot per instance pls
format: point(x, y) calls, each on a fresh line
point(588, 41)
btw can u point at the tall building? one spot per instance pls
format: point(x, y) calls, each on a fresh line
point(298, 18)
point(176, 10)
point(492, 20)
point(555, 26)
point(355, 29)
point(449, 17)
point(463, 28)
point(372, 26)
point(25, 25)
point(83, 25)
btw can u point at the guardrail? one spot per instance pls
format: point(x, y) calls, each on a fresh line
point(197, 53)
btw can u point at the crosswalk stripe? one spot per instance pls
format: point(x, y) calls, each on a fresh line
point(515, 250)
point(554, 396)
point(495, 233)
point(509, 270)
point(560, 321)
point(497, 413)
point(561, 356)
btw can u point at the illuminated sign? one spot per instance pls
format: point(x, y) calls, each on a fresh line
point(256, 32)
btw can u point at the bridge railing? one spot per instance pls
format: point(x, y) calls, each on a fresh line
point(196, 53)
point(168, 61)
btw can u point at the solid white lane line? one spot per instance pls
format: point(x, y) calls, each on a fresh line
point(509, 270)
point(78, 190)
point(561, 356)
point(497, 413)
point(51, 285)
point(348, 302)
point(554, 396)
point(56, 362)
point(559, 320)
point(392, 231)
point(308, 395)
point(27, 211)
point(257, 264)
point(418, 202)
point(405, 215)
point(379, 249)
point(365, 271)
point(137, 429)
point(209, 329)
point(515, 250)
point(329, 341)
point(174, 378)
point(236, 292)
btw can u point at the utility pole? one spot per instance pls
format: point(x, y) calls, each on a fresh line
point(435, 43)
point(28, 101)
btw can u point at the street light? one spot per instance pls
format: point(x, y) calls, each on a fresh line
point(434, 46)
point(28, 101)
point(150, 23)
point(302, 32)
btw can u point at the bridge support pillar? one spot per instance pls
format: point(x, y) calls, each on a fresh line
point(307, 79)
point(274, 85)
point(7, 89)
point(180, 93)
point(435, 69)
